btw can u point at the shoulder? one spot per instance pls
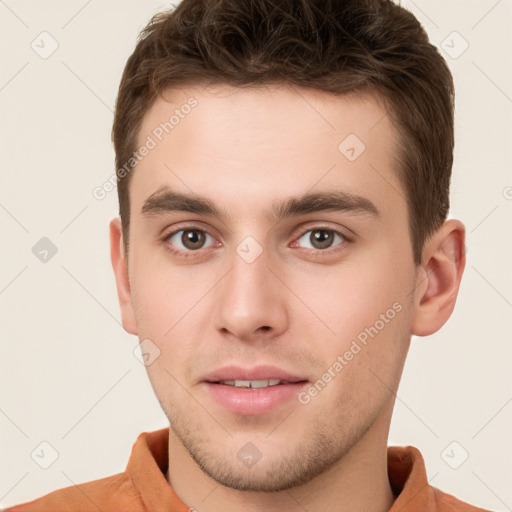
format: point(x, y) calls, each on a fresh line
point(448, 503)
point(111, 493)
point(408, 479)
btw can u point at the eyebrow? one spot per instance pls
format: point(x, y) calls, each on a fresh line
point(166, 200)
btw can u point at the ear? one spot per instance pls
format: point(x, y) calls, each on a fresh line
point(437, 286)
point(120, 266)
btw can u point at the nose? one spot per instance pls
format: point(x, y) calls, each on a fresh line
point(250, 300)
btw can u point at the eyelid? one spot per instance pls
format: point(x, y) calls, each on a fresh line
point(346, 233)
point(302, 231)
point(187, 227)
point(330, 250)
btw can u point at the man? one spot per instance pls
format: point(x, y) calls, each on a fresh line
point(283, 176)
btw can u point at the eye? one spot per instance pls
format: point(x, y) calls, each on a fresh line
point(188, 240)
point(321, 238)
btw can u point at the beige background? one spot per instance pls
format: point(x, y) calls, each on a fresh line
point(68, 373)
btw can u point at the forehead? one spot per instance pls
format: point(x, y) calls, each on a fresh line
point(281, 139)
point(264, 109)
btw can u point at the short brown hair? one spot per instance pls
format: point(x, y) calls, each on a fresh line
point(336, 46)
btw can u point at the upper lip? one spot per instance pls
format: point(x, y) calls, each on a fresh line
point(264, 372)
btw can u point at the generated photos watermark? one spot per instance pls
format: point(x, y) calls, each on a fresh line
point(356, 346)
point(157, 135)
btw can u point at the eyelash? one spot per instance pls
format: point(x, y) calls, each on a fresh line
point(316, 252)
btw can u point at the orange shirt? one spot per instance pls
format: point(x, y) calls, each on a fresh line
point(143, 486)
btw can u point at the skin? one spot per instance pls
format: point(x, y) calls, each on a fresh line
point(298, 306)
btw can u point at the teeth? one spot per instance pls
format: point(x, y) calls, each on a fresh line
point(251, 383)
point(263, 383)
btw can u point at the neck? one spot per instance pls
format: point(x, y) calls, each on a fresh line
point(358, 481)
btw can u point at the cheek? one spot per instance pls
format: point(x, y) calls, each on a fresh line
point(351, 298)
point(172, 311)
point(164, 295)
point(365, 306)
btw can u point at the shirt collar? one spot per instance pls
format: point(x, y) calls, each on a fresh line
point(149, 461)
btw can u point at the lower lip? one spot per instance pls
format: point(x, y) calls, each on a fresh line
point(250, 401)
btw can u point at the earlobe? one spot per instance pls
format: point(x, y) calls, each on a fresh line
point(120, 266)
point(439, 278)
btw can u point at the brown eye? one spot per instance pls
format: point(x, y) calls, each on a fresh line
point(193, 239)
point(187, 240)
point(321, 238)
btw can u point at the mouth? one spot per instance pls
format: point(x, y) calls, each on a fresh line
point(256, 384)
point(253, 391)
point(253, 384)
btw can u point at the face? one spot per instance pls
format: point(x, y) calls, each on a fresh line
point(279, 294)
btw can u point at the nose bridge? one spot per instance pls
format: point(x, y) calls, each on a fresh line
point(250, 297)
